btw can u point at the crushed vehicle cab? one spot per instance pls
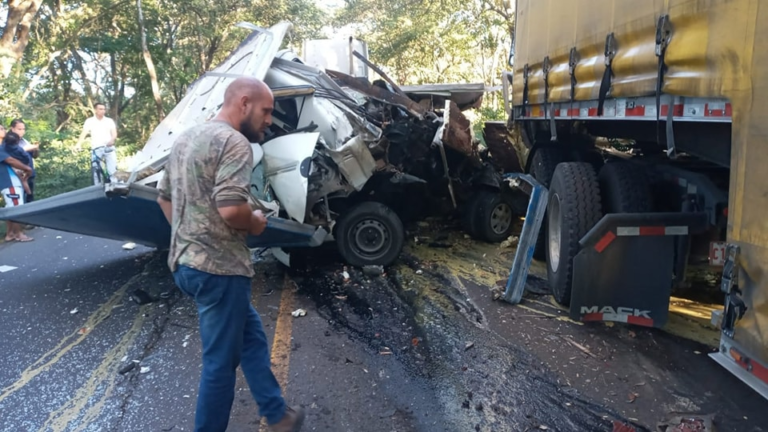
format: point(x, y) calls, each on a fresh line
point(344, 160)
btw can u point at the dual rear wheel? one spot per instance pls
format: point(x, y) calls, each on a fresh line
point(578, 199)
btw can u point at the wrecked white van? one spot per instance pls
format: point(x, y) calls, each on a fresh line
point(344, 160)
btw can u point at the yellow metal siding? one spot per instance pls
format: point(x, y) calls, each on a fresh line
point(718, 48)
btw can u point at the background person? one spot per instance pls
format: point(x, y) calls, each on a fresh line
point(11, 189)
point(11, 145)
point(103, 134)
point(33, 150)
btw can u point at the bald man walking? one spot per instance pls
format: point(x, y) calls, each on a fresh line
point(205, 195)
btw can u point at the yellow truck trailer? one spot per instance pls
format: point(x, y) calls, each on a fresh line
point(646, 119)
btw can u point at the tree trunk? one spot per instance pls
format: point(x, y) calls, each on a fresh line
point(83, 76)
point(115, 74)
point(150, 65)
point(15, 37)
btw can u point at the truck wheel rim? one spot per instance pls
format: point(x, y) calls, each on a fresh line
point(370, 238)
point(553, 224)
point(501, 218)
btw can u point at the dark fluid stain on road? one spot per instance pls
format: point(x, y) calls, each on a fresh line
point(421, 315)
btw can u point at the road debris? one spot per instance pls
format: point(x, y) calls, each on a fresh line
point(74, 311)
point(144, 370)
point(127, 368)
point(622, 427)
point(299, 313)
point(469, 346)
point(678, 422)
point(388, 414)
point(373, 270)
point(385, 351)
point(440, 245)
point(511, 241)
point(141, 297)
point(581, 348)
point(83, 330)
point(632, 397)
point(129, 246)
point(419, 272)
point(346, 276)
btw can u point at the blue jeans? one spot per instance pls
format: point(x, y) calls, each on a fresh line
point(232, 335)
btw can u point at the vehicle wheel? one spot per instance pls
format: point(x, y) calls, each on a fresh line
point(574, 208)
point(492, 216)
point(625, 188)
point(370, 234)
point(543, 166)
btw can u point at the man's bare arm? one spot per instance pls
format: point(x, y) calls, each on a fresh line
point(167, 207)
point(15, 163)
point(241, 217)
point(31, 147)
point(113, 133)
point(83, 134)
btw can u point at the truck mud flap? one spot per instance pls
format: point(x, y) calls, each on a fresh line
point(624, 269)
point(117, 212)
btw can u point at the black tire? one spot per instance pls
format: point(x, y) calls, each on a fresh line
point(574, 208)
point(370, 233)
point(491, 216)
point(468, 214)
point(543, 165)
point(96, 174)
point(625, 188)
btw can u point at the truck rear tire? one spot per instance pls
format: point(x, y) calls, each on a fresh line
point(624, 188)
point(574, 208)
point(543, 166)
point(370, 233)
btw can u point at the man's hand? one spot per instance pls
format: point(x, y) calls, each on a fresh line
point(258, 223)
point(167, 207)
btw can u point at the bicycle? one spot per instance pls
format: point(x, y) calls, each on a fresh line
point(98, 159)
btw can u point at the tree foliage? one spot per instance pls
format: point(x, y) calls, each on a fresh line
point(65, 55)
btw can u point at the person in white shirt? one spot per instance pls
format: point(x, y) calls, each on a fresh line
point(103, 134)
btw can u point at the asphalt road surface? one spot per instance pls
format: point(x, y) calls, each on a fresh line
point(408, 350)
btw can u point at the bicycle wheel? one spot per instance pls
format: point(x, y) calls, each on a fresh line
point(96, 174)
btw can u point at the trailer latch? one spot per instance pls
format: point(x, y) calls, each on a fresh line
point(735, 308)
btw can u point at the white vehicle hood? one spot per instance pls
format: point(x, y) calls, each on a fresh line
point(204, 97)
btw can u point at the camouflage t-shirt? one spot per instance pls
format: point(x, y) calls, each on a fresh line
point(209, 165)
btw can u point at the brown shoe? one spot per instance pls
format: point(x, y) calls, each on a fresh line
point(291, 422)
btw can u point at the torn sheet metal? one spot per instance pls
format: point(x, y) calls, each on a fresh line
point(466, 96)
point(355, 162)
point(380, 94)
point(287, 162)
point(457, 133)
point(503, 155)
